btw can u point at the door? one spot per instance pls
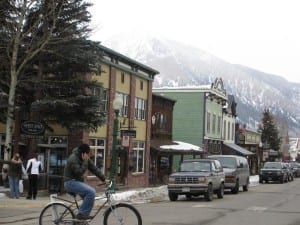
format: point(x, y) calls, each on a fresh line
point(57, 162)
point(122, 166)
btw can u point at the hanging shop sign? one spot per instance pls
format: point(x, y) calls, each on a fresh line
point(32, 128)
point(130, 133)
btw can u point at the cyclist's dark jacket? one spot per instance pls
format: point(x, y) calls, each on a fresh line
point(76, 167)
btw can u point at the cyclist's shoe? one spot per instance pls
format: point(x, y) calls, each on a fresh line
point(83, 217)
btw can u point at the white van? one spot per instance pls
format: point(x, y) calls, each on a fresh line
point(237, 173)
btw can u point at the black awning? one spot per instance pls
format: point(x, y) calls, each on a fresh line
point(238, 149)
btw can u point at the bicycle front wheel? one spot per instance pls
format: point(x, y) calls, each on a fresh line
point(56, 213)
point(122, 214)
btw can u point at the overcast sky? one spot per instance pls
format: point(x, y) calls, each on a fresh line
point(262, 34)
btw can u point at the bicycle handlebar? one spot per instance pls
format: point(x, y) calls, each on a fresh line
point(109, 184)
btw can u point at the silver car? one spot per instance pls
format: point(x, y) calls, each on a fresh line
point(237, 172)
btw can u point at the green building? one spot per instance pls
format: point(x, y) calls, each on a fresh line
point(198, 115)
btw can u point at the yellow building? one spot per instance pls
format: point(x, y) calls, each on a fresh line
point(124, 78)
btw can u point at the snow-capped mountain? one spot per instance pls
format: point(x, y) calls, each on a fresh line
point(184, 65)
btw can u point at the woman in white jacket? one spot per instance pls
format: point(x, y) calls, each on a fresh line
point(33, 168)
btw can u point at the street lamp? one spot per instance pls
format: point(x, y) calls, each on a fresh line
point(260, 154)
point(117, 105)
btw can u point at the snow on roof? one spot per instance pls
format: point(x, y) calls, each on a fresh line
point(182, 146)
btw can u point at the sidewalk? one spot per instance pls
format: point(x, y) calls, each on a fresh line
point(3, 191)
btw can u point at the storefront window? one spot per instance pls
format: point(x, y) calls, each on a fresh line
point(138, 156)
point(98, 153)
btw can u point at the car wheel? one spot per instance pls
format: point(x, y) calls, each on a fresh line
point(282, 180)
point(220, 192)
point(188, 197)
point(261, 181)
point(235, 190)
point(173, 196)
point(287, 178)
point(209, 195)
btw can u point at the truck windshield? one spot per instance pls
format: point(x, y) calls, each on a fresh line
point(228, 162)
point(272, 165)
point(195, 167)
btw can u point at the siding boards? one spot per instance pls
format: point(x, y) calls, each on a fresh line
point(188, 116)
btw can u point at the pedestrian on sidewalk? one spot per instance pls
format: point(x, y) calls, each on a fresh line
point(33, 169)
point(14, 174)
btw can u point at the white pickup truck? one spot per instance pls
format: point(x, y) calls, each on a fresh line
point(196, 177)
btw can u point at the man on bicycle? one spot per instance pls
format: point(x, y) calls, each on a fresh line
point(77, 164)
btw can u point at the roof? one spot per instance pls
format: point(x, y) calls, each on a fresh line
point(238, 149)
point(226, 156)
point(199, 160)
point(128, 60)
point(164, 97)
point(176, 147)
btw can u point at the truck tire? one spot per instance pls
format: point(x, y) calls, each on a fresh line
point(173, 196)
point(220, 191)
point(209, 195)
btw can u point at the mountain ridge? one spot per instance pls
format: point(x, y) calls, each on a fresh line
point(181, 65)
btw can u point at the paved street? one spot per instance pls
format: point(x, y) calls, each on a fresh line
point(24, 212)
point(20, 211)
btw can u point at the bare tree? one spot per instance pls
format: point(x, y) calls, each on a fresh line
point(25, 38)
point(31, 33)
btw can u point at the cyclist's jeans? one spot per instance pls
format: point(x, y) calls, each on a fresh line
point(86, 192)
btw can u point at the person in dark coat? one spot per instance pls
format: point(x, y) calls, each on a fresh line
point(14, 174)
point(77, 164)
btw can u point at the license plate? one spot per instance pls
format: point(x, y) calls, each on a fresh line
point(186, 189)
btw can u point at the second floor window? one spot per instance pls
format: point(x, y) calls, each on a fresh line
point(228, 132)
point(161, 121)
point(208, 123)
point(141, 85)
point(214, 124)
point(232, 131)
point(125, 99)
point(103, 96)
point(224, 131)
point(140, 109)
point(122, 78)
point(219, 125)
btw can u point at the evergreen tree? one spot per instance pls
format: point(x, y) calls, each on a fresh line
point(269, 131)
point(46, 62)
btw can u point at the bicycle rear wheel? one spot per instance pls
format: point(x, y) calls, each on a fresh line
point(122, 214)
point(56, 213)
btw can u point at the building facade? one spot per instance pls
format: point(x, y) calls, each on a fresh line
point(122, 78)
point(198, 114)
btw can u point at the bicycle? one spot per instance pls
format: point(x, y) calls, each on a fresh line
point(63, 211)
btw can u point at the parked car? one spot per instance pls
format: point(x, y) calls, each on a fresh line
point(197, 177)
point(295, 168)
point(273, 171)
point(237, 172)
